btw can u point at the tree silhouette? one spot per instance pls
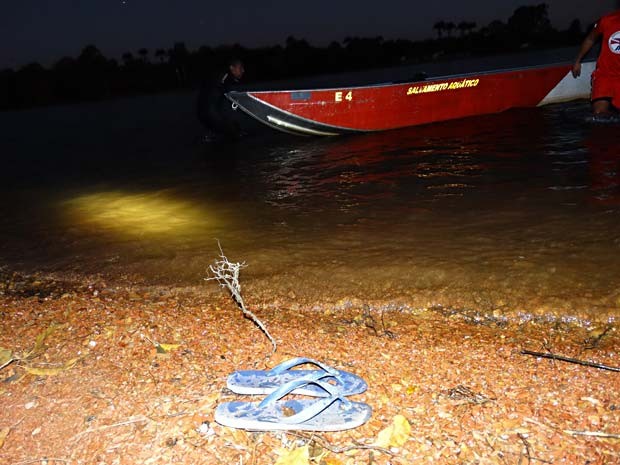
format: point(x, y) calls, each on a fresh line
point(91, 56)
point(296, 44)
point(178, 58)
point(32, 85)
point(66, 79)
point(496, 27)
point(7, 88)
point(439, 26)
point(466, 27)
point(529, 22)
point(462, 27)
point(144, 54)
point(93, 70)
point(127, 58)
point(450, 26)
point(160, 53)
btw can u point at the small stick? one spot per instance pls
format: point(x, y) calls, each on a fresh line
point(536, 422)
point(540, 460)
point(130, 421)
point(570, 360)
point(43, 460)
point(595, 434)
point(9, 361)
point(528, 450)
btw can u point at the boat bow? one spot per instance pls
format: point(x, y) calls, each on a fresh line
point(281, 119)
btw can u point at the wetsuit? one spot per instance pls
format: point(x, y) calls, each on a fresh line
point(214, 110)
point(606, 77)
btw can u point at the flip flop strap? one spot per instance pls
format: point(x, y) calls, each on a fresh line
point(289, 387)
point(311, 410)
point(287, 365)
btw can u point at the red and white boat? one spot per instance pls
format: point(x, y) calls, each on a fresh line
point(345, 110)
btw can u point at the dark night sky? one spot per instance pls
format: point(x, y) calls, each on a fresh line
point(38, 30)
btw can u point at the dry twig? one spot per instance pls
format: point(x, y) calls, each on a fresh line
point(227, 274)
point(42, 461)
point(370, 323)
point(465, 394)
point(528, 451)
point(570, 360)
point(130, 421)
point(595, 434)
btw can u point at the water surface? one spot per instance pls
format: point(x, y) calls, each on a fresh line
point(514, 215)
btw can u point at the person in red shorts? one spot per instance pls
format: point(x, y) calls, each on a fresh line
point(606, 77)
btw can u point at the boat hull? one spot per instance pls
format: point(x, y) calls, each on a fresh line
point(390, 106)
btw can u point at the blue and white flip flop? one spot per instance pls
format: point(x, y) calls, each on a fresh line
point(267, 381)
point(331, 412)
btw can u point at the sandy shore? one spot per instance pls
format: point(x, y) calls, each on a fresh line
point(89, 385)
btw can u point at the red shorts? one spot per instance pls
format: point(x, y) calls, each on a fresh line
point(606, 87)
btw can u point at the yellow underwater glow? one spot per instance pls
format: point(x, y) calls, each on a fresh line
point(138, 214)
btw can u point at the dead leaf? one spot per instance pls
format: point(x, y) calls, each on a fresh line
point(52, 371)
point(4, 432)
point(6, 357)
point(295, 456)
point(332, 460)
point(38, 343)
point(240, 438)
point(394, 435)
point(165, 348)
point(162, 348)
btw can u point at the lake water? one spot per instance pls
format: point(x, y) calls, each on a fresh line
point(514, 215)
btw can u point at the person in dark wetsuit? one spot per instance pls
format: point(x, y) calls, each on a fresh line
point(213, 109)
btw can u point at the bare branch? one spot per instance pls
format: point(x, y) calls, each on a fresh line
point(226, 274)
point(570, 360)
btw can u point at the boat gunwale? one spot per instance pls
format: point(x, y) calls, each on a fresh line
point(405, 83)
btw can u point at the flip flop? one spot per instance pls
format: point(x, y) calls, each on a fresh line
point(332, 412)
point(267, 381)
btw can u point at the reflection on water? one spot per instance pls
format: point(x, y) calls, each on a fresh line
point(604, 161)
point(145, 214)
point(513, 214)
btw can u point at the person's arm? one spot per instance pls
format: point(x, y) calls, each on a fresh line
point(587, 44)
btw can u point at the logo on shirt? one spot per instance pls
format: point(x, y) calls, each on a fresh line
point(614, 42)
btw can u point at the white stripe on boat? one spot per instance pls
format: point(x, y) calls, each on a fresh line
point(296, 127)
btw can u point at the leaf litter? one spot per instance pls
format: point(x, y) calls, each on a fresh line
point(26, 360)
point(444, 391)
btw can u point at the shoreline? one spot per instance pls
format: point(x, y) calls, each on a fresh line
point(476, 305)
point(465, 389)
